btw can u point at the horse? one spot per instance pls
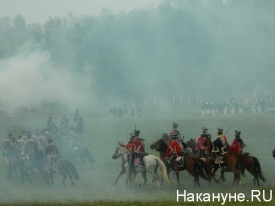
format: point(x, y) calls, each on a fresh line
point(231, 162)
point(252, 165)
point(11, 154)
point(77, 153)
point(30, 160)
point(190, 162)
point(125, 167)
point(58, 164)
point(151, 164)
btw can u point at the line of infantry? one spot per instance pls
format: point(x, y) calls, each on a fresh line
point(177, 147)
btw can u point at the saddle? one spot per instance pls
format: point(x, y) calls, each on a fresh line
point(139, 159)
point(179, 160)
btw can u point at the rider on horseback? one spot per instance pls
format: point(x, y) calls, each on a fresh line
point(201, 148)
point(176, 132)
point(174, 151)
point(220, 143)
point(237, 144)
point(129, 146)
point(51, 149)
point(137, 149)
point(220, 146)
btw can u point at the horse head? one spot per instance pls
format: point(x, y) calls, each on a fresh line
point(191, 143)
point(119, 151)
point(160, 145)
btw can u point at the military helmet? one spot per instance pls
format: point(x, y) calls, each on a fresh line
point(137, 132)
point(175, 125)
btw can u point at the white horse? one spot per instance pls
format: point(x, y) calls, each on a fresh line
point(151, 164)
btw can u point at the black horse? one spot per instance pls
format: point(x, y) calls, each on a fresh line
point(58, 164)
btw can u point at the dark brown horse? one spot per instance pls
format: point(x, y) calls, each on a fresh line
point(252, 165)
point(189, 162)
point(58, 164)
point(231, 162)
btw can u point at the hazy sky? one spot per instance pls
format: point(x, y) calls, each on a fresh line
point(38, 11)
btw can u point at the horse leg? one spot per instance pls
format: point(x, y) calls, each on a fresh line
point(70, 176)
point(222, 174)
point(123, 171)
point(144, 178)
point(178, 178)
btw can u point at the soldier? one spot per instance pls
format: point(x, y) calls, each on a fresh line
point(51, 125)
point(200, 147)
point(51, 150)
point(76, 118)
point(174, 150)
point(64, 124)
point(237, 144)
point(137, 149)
point(220, 146)
point(174, 131)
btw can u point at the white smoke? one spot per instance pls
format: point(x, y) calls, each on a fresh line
point(30, 79)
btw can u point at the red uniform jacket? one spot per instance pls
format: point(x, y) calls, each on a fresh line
point(129, 145)
point(235, 147)
point(137, 146)
point(200, 143)
point(174, 148)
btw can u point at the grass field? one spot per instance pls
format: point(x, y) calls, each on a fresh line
point(101, 136)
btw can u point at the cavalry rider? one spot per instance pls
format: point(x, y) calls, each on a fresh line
point(220, 144)
point(51, 149)
point(175, 131)
point(129, 145)
point(174, 150)
point(137, 149)
point(237, 144)
point(201, 148)
point(64, 124)
point(76, 118)
point(51, 125)
point(130, 142)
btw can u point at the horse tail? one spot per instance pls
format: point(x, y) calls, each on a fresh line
point(199, 169)
point(258, 169)
point(74, 171)
point(163, 171)
point(89, 156)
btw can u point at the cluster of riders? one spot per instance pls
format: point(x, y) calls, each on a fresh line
point(44, 150)
point(201, 158)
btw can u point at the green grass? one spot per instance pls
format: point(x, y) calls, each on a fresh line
point(101, 137)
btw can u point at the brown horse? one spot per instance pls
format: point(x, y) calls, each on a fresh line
point(252, 165)
point(231, 162)
point(189, 162)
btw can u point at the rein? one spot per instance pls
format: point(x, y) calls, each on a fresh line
point(121, 154)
